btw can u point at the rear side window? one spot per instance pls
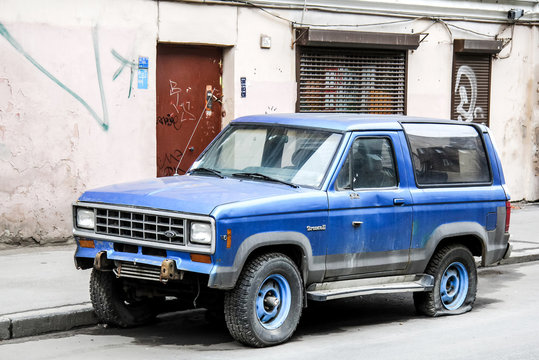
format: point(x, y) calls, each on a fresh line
point(447, 154)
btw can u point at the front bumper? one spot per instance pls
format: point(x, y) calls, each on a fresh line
point(181, 261)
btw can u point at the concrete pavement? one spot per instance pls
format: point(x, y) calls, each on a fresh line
point(40, 290)
point(524, 229)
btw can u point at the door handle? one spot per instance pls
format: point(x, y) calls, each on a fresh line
point(398, 202)
point(357, 223)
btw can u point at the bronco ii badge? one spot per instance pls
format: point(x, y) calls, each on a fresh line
point(316, 228)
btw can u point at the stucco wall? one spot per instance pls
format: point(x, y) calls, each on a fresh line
point(51, 146)
point(429, 73)
point(61, 132)
point(515, 113)
point(269, 73)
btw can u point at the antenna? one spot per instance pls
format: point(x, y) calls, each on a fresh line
point(193, 133)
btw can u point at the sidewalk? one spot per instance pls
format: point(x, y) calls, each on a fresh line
point(524, 229)
point(40, 290)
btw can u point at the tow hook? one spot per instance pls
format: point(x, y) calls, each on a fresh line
point(101, 262)
point(169, 271)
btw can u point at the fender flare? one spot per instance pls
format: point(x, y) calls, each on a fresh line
point(313, 267)
point(420, 257)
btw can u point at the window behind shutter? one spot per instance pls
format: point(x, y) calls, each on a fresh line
point(351, 80)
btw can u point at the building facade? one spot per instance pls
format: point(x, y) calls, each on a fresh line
point(100, 92)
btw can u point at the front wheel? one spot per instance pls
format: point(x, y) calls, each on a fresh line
point(265, 306)
point(455, 283)
point(114, 306)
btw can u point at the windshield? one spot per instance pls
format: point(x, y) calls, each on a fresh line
point(293, 155)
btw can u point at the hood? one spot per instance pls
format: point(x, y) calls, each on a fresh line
point(189, 193)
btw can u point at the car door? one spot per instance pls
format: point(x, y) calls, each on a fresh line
point(370, 208)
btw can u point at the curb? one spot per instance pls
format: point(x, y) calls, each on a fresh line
point(36, 322)
point(520, 259)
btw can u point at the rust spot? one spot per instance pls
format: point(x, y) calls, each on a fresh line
point(169, 271)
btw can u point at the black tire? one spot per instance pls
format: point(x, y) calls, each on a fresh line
point(113, 306)
point(455, 283)
point(263, 280)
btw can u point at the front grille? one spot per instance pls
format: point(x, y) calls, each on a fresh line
point(138, 271)
point(147, 229)
point(141, 226)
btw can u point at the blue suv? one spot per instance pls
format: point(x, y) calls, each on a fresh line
point(285, 209)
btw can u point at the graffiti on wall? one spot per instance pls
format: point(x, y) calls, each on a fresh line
point(169, 120)
point(168, 162)
point(123, 64)
point(467, 109)
point(102, 120)
point(180, 112)
point(180, 107)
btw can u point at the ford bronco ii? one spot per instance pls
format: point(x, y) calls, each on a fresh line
point(282, 209)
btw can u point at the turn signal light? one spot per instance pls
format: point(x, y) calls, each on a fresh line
point(206, 259)
point(86, 243)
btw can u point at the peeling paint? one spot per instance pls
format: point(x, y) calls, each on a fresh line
point(4, 152)
point(536, 152)
point(5, 94)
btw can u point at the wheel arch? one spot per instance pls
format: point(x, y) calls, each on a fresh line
point(292, 244)
point(468, 234)
point(472, 242)
point(293, 251)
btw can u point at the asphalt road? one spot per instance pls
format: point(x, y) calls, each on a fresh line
point(503, 325)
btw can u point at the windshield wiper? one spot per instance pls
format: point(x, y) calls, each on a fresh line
point(207, 171)
point(255, 175)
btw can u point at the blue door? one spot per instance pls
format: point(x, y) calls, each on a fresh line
point(370, 208)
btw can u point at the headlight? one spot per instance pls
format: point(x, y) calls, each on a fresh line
point(85, 219)
point(200, 233)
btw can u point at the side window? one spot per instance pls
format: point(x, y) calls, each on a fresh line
point(369, 164)
point(447, 154)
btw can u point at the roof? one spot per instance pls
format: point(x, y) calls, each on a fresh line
point(340, 121)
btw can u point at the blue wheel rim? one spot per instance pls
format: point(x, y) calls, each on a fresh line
point(273, 301)
point(454, 286)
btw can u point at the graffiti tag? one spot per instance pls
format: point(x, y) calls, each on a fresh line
point(123, 64)
point(175, 92)
point(103, 120)
point(167, 163)
point(466, 108)
point(169, 120)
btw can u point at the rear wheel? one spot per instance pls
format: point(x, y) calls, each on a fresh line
point(455, 283)
point(265, 306)
point(114, 306)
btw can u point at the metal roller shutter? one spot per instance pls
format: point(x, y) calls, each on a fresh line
point(351, 80)
point(470, 97)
